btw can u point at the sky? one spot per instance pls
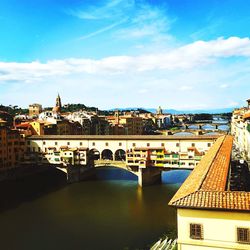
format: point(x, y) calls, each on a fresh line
point(177, 54)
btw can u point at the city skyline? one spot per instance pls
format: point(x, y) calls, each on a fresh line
point(177, 54)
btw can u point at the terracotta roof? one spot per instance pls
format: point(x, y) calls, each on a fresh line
point(216, 200)
point(23, 125)
point(195, 150)
point(206, 186)
point(246, 116)
point(216, 179)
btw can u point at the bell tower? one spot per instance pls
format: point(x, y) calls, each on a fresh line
point(58, 107)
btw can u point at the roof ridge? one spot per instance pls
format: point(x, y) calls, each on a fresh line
point(189, 187)
point(229, 200)
point(208, 168)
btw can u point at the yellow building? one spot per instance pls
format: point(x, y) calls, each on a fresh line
point(126, 124)
point(37, 127)
point(210, 215)
point(144, 157)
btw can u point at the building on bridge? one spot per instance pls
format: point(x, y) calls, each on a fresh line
point(160, 157)
point(115, 148)
point(210, 215)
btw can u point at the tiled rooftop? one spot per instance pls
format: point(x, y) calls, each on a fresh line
point(206, 187)
point(216, 179)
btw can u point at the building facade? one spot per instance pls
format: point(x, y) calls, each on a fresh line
point(110, 146)
point(11, 147)
point(240, 129)
point(35, 109)
point(209, 214)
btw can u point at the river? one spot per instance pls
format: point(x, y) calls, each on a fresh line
point(109, 212)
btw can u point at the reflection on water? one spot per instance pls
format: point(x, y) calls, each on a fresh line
point(184, 134)
point(174, 176)
point(223, 127)
point(44, 213)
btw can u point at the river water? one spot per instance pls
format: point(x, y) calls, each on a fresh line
point(109, 212)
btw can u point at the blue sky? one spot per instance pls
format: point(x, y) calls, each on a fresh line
point(182, 54)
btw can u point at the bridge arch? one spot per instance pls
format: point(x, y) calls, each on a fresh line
point(120, 155)
point(94, 154)
point(107, 154)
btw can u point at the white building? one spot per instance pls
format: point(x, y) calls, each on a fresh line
point(240, 129)
point(49, 116)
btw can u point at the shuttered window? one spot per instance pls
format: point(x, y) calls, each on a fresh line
point(243, 235)
point(196, 231)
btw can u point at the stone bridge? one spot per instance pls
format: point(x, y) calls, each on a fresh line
point(111, 150)
point(200, 126)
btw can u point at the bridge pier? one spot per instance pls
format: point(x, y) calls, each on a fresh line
point(199, 132)
point(148, 176)
point(78, 173)
point(73, 174)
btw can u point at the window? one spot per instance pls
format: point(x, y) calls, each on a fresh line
point(120, 144)
point(134, 144)
point(93, 144)
point(148, 144)
point(80, 143)
point(68, 143)
point(177, 144)
point(44, 143)
point(196, 231)
point(193, 144)
point(56, 143)
point(162, 144)
point(209, 144)
point(106, 144)
point(243, 235)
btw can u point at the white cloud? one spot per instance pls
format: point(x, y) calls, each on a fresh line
point(151, 22)
point(142, 91)
point(189, 56)
point(136, 80)
point(110, 10)
point(104, 29)
point(141, 20)
point(224, 86)
point(185, 88)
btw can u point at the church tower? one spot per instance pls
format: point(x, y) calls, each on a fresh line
point(58, 107)
point(159, 111)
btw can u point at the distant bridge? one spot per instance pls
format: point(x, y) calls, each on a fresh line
point(201, 125)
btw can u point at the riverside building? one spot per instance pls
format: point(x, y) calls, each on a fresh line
point(11, 147)
point(209, 214)
point(240, 129)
